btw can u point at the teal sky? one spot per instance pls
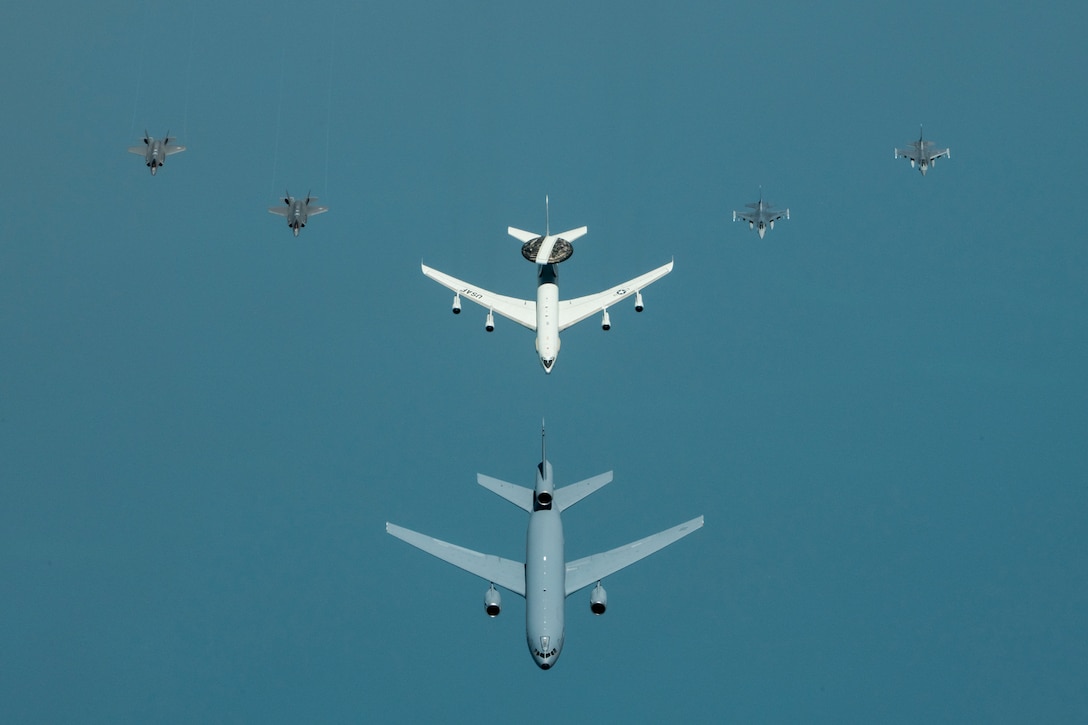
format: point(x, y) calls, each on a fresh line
point(880, 408)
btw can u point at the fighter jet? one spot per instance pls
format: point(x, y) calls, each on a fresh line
point(922, 153)
point(155, 151)
point(297, 211)
point(548, 315)
point(546, 578)
point(763, 215)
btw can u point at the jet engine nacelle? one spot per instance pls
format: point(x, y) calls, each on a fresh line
point(606, 323)
point(490, 324)
point(457, 304)
point(638, 302)
point(598, 600)
point(492, 602)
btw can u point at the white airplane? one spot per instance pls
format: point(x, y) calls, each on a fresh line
point(922, 153)
point(546, 578)
point(548, 315)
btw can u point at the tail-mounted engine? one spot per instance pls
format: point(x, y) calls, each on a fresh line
point(598, 600)
point(493, 602)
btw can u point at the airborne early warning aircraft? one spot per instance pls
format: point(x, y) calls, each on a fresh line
point(155, 151)
point(546, 578)
point(297, 211)
point(763, 215)
point(922, 154)
point(548, 315)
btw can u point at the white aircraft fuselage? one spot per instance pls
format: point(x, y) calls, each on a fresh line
point(547, 315)
point(545, 581)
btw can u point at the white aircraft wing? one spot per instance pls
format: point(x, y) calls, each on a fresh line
point(315, 210)
point(750, 218)
point(933, 156)
point(172, 149)
point(591, 569)
point(141, 150)
point(571, 312)
point(281, 210)
point(522, 312)
point(507, 574)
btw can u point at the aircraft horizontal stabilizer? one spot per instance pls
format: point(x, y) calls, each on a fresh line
point(573, 234)
point(593, 568)
point(569, 495)
point(521, 235)
point(518, 495)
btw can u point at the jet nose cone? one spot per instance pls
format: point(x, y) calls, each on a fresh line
point(547, 363)
point(296, 231)
point(762, 232)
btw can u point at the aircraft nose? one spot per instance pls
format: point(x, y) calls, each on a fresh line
point(547, 362)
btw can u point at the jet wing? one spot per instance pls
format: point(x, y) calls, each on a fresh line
point(281, 210)
point(172, 149)
point(591, 569)
point(750, 218)
point(943, 152)
point(522, 312)
point(141, 150)
point(315, 210)
point(571, 312)
point(504, 572)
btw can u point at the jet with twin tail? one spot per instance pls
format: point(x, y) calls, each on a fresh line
point(762, 216)
point(297, 211)
point(155, 151)
point(922, 153)
point(547, 316)
point(546, 578)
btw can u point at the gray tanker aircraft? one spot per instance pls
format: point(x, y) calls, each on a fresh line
point(763, 215)
point(297, 211)
point(547, 315)
point(922, 154)
point(155, 151)
point(546, 578)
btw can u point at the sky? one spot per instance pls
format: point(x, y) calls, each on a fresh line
point(880, 408)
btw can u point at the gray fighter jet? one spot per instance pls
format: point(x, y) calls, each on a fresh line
point(763, 215)
point(298, 211)
point(155, 151)
point(922, 154)
point(546, 578)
